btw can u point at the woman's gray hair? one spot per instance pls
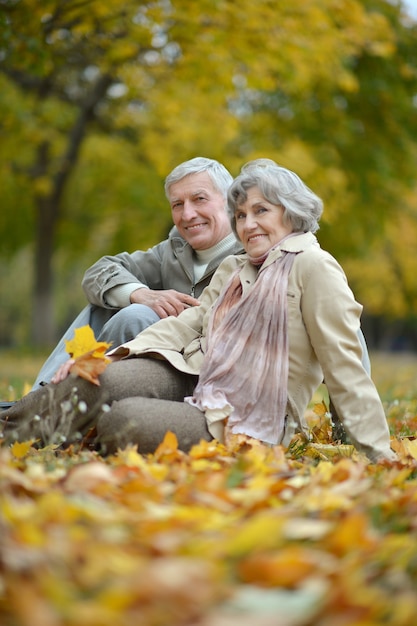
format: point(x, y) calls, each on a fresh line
point(220, 176)
point(302, 207)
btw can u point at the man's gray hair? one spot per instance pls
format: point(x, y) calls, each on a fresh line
point(220, 176)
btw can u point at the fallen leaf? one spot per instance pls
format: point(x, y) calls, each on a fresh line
point(21, 449)
point(88, 476)
point(285, 568)
point(168, 448)
point(405, 447)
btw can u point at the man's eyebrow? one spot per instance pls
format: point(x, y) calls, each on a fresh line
point(192, 193)
point(198, 191)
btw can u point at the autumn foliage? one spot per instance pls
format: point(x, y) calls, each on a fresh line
point(310, 536)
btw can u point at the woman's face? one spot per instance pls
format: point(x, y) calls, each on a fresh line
point(259, 224)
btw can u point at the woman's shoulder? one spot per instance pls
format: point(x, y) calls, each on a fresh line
point(315, 263)
point(234, 261)
point(312, 249)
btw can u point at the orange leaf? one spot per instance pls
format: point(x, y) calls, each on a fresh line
point(168, 448)
point(169, 444)
point(321, 409)
point(284, 568)
point(84, 342)
point(352, 530)
point(89, 366)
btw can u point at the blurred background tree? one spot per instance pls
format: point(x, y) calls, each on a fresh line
point(99, 101)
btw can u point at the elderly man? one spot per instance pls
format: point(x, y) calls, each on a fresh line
point(129, 292)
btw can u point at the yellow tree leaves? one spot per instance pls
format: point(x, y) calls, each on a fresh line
point(88, 354)
point(238, 84)
point(386, 269)
point(263, 78)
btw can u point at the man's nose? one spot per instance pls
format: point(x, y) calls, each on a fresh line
point(188, 211)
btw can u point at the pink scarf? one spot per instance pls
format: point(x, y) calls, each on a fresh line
point(245, 369)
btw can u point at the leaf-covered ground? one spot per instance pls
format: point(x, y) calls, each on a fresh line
point(245, 536)
point(218, 537)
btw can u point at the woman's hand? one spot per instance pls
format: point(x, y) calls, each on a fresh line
point(63, 371)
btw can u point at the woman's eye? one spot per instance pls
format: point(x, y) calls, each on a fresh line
point(240, 216)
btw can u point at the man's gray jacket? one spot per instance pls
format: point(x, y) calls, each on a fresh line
point(167, 265)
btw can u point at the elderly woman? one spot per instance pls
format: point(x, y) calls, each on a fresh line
point(270, 325)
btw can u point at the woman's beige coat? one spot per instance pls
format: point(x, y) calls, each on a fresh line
point(323, 324)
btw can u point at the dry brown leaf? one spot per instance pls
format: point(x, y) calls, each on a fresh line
point(89, 367)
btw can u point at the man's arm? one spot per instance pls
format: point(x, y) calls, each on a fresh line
point(123, 279)
point(141, 268)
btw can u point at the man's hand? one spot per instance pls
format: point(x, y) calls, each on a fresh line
point(165, 302)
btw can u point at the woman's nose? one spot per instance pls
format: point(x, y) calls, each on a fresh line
point(250, 223)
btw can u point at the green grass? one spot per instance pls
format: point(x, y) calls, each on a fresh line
point(395, 376)
point(18, 371)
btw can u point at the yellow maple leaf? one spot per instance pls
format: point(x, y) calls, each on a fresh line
point(20, 449)
point(85, 342)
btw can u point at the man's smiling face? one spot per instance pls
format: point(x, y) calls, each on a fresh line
point(198, 211)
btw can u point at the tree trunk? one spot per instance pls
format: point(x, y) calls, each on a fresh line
point(49, 211)
point(43, 322)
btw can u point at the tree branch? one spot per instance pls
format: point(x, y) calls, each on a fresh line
point(86, 114)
